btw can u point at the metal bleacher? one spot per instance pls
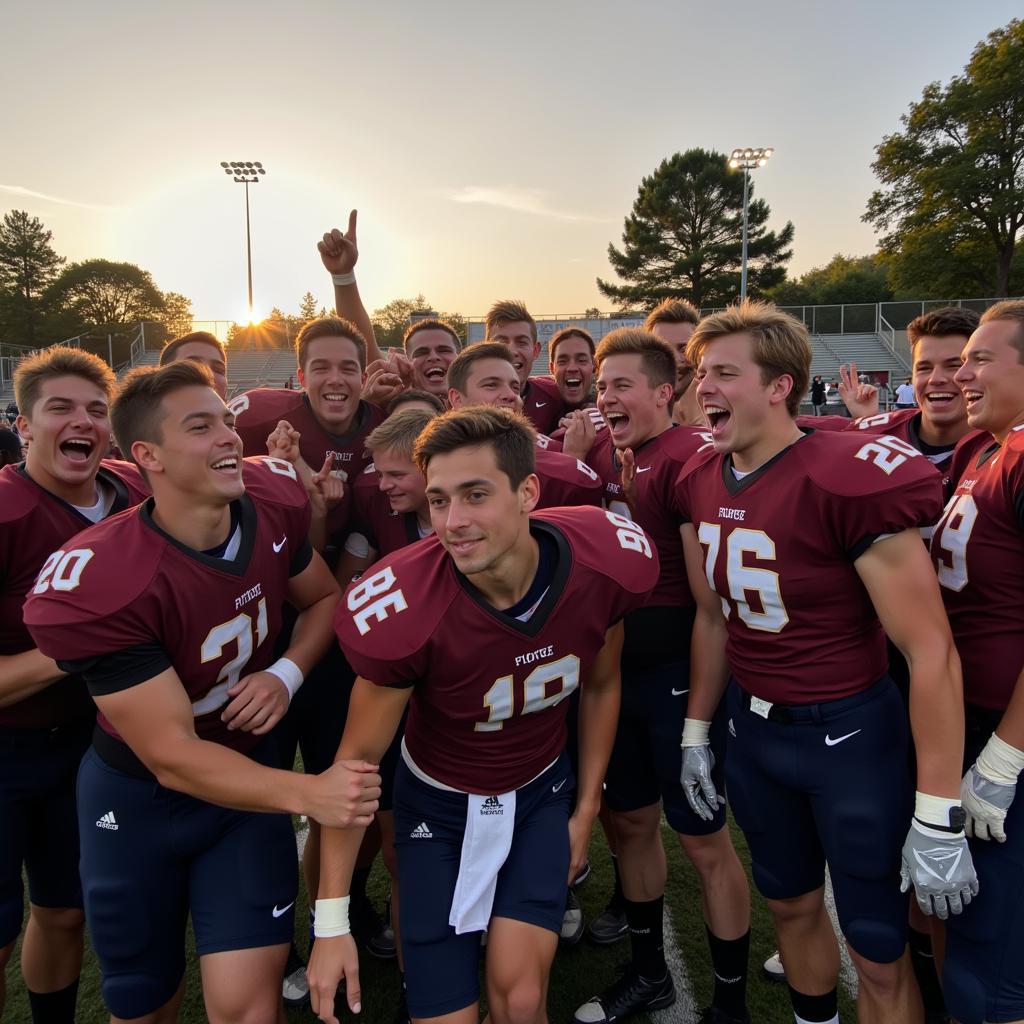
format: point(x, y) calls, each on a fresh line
point(246, 370)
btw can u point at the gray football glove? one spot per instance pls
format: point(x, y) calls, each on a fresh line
point(939, 866)
point(695, 779)
point(985, 803)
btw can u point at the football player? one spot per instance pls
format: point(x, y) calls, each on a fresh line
point(978, 548)
point(571, 361)
point(430, 346)
point(484, 374)
point(46, 717)
point(800, 547)
point(509, 323)
point(202, 347)
point(483, 793)
point(177, 655)
point(637, 374)
point(674, 320)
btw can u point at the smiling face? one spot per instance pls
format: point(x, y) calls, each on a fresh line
point(333, 379)
point(401, 480)
point(68, 430)
point(518, 336)
point(573, 369)
point(992, 378)
point(481, 520)
point(211, 358)
point(490, 382)
point(198, 454)
point(936, 361)
point(431, 352)
point(633, 409)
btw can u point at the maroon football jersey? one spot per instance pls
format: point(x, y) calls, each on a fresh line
point(780, 546)
point(978, 548)
point(34, 524)
point(212, 619)
point(543, 404)
point(906, 425)
point(373, 517)
point(824, 422)
point(489, 701)
point(548, 443)
point(566, 481)
point(258, 412)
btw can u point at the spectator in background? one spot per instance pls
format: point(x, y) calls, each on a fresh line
point(818, 396)
point(10, 447)
point(905, 395)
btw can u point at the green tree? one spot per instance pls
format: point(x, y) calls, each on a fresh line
point(104, 292)
point(177, 314)
point(952, 195)
point(683, 237)
point(307, 308)
point(28, 266)
point(592, 312)
point(390, 321)
point(842, 279)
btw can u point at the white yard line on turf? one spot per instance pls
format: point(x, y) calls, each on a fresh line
point(683, 1010)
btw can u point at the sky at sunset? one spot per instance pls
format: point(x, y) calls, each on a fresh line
point(492, 149)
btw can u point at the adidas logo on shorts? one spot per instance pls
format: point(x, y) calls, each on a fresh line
point(492, 805)
point(108, 821)
point(419, 832)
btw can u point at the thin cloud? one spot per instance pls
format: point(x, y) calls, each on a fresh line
point(522, 200)
point(28, 193)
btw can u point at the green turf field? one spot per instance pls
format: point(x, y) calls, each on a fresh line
point(578, 973)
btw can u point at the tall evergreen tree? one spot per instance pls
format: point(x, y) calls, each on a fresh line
point(28, 265)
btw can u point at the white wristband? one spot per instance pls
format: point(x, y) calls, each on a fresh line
point(342, 279)
point(695, 733)
point(289, 673)
point(1000, 762)
point(933, 810)
point(330, 918)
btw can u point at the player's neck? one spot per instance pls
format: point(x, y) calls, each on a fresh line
point(338, 429)
point(776, 437)
point(197, 526)
point(82, 494)
point(940, 436)
point(1004, 433)
point(508, 580)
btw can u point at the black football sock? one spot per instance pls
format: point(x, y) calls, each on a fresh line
point(647, 936)
point(54, 1007)
point(616, 902)
point(923, 960)
point(815, 1009)
point(729, 961)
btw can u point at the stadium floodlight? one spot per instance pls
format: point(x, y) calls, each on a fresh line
point(748, 159)
point(245, 172)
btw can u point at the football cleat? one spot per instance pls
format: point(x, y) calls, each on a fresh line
point(773, 969)
point(632, 993)
point(295, 987)
point(713, 1015)
point(572, 921)
point(610, 926)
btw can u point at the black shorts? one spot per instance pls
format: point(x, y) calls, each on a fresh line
point(38, 824)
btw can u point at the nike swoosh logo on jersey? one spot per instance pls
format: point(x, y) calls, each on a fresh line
point(277, 912)
point(278, 544)
point(644, 469)
point(679, 693)
point(555, 789)
point(829, 742)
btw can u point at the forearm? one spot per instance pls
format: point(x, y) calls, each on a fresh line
point(598, 719)
point(709, 667)
point(349, 304)
point(937, 719)
point(25, 674)
point(339, 848)
point(219, 775)
point(313, 633)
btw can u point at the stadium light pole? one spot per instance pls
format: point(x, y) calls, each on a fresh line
point(245, 172)
point(748, 159)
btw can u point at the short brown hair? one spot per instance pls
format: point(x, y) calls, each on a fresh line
point(58, 362)
point(509, 434)
point(398, 433)
point(167, 353)
point(672, 311)
point(415, 395)
point(460, 366)
point(137, 412)
point(780, 344)
point(656, 356)
point(564, 334)
point(1013, 311)
point(509, 311)
point(431, 324)
point(330, 327)
point(942, 323)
